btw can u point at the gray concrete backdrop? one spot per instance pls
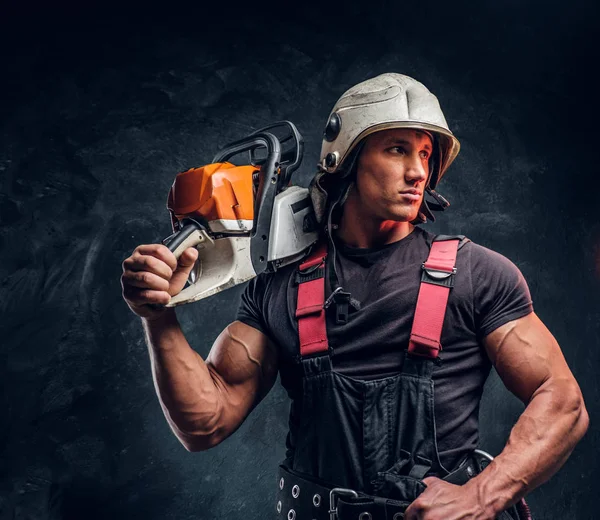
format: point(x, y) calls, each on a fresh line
point(102, 105)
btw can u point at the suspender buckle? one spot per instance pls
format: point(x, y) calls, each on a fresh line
point(437, 276)
point(309, 274)
point(333, 496)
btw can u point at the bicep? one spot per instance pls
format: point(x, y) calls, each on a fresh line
point(243, 365)
point(526, 356)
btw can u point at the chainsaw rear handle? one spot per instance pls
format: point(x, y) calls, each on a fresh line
point(191, 234)
point(221, 263)
point(186, 237)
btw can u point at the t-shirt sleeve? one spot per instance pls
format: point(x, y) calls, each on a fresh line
point(250, 310)
point(500, 292)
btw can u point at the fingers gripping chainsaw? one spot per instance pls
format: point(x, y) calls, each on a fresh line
point(244, 220)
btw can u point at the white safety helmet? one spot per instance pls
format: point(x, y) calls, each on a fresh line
point(387, 101)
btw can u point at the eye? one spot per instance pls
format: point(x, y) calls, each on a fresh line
point(424, 154)
point(398, 149)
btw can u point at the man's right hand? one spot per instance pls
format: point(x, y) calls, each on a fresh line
point(151, 275)
point(204, 401)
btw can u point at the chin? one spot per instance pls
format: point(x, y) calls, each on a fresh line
point(403, 216)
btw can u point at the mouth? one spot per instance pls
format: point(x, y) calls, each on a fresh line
point(412, 194)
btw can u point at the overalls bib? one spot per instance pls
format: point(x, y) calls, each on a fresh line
point(373, 441)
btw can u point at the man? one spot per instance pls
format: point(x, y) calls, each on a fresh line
point(360, 372)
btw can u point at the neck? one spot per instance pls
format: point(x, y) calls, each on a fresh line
point(359, 229)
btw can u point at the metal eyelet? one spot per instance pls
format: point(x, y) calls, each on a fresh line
point(295, 491)
point(279, 506)
point(291, 514)
point(317, 500)
point(398, 516)
point(365, 516)
point(281, 483)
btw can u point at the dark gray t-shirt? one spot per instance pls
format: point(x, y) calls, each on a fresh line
point(488, 291)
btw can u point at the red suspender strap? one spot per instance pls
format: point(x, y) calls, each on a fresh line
point(436, 281)
point(310, 311)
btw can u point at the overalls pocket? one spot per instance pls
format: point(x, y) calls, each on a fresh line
point(402, 481)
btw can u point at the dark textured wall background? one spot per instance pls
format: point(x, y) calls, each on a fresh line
point(101, 106)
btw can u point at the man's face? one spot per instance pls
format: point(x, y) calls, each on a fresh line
point(392, 173)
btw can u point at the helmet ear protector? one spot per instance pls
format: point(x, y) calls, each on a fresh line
point(332, 130)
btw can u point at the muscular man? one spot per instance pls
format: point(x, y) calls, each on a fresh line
point(374, 409)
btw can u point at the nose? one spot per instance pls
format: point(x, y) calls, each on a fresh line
point(416, 169)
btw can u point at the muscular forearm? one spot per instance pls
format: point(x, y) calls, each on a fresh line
point(183, 382)
point(539, 444)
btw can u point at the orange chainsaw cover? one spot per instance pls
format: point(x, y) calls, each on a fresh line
point(218, 191)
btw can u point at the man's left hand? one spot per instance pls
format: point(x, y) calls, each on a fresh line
point(444, 501)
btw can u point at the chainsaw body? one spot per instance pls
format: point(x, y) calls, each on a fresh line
point(244, 220)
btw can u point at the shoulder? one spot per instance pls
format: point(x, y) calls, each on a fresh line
point(487, 263)
point(500, 292)
point(264, 298)
point(266, 282)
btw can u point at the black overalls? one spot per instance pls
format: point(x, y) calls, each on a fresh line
point(375, 439)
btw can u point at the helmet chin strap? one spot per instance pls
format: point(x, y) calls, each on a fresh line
point(425, 211)
point(439, 203)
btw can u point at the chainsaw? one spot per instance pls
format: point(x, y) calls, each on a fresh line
point(243, 220)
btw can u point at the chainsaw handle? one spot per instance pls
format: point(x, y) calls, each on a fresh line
point(267, 189)
point(290, 159)
point(269, 141)
point(221, 263)
point(195, 238)
point(191, 234)
point(187, 236)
